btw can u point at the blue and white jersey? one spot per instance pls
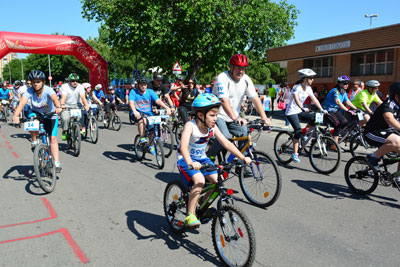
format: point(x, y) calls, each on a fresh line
point(198, 142)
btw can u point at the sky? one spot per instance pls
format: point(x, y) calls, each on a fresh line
point(317, 18)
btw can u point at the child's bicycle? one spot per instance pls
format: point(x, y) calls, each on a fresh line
point(154, 144)
point(232, 233)
point(43, 161)
point(363, 180)
point(263, 187)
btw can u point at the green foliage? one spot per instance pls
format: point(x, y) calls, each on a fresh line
point(202, 33)
point(16, 70)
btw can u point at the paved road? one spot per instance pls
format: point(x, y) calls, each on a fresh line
point(106, 210)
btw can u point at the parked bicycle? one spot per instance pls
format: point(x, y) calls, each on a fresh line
point(323, 151)
point(153, 144)
point(363, 180)
point(263, 186)
point(43, 161)
point(232, 233)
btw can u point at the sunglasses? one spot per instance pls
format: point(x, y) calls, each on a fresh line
point(37, 81)
point(74, 81)
point(345, 83)
point(191, 82)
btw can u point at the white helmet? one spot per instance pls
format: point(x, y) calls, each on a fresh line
point(372, 83)
point(306, 73)
point(98, 87)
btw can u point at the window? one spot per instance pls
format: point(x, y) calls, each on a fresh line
point(322, 66)
point(372, 63)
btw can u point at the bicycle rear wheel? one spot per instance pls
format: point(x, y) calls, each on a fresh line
point(116, 122)
point(360, 178)
point(76, 139)
point(94, 130)
point(324, 155)
point(167, 139)
point(233, 237)
point(44, 167)
point(264, 187)
point(160, 157)
point(283, 147)
point(139, 148)
point(175, 207)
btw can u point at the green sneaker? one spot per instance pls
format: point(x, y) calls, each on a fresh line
point(64, 136)
point(192, 221)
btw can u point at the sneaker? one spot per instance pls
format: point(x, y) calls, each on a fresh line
point(58, 166)
point(295, 158)
point(143, 140)
point(373, 162)
point(396, 181)
point(105, 121)
point(192, 221)
point(64, 136)
point(83, 131)
point(152, 150)
point(33, 145)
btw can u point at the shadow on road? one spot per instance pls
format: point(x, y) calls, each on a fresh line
point(160, 230)
point(25, 173)
point(21, 135)
point(117, 155)
point(168, 176)
point(128, 147)
point(329, 190)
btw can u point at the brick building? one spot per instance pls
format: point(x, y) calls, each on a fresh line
point(4, 61)
point(365, 55)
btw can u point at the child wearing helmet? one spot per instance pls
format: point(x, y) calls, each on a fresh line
point(191, 151)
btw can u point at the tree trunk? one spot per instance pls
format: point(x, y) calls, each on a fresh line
point(194, 69)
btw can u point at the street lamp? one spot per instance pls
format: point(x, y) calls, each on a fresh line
point(370, 18)
point(22, 70)
point(9, 70)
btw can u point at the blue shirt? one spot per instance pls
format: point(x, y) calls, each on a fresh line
point(143, 102)
point(330, 100)
point(120, 92)
point(4, 94)
point(99, 94)
point(44, 104)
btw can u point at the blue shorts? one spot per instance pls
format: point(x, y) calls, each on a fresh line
point(187, 174)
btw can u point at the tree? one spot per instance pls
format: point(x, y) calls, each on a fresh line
point(202, 33)
point(16, 70)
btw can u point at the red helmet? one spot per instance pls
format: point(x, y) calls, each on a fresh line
point(239, 60)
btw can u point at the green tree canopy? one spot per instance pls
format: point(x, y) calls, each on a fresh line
point(201, 33)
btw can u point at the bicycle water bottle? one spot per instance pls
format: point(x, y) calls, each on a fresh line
point(42, 131)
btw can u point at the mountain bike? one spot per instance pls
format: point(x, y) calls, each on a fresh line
point(43, 161)
point(153, 142)
point(74, 131)
point(92, 129)
point(363, 180)
point(263, 187)
point(323, 151)
point(232, 233)
point(114, 120)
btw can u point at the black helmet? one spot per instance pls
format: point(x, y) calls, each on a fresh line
point(142, 80)
point(394, 89)
point(17, 82)
point(36, 75)
point(73, 76)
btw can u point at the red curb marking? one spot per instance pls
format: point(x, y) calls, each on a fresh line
point(7, 143)
point(15, 154)
point(53, 215)
point(78, 251)
point(10, 147)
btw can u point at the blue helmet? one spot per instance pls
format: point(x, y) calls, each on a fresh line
point(36, 75)
point(205, 102)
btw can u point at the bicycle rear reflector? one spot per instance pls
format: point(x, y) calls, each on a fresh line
point(266, 194)
point(229, 192)
point(175, 197)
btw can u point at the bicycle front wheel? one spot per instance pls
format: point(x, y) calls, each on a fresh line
point(233, 237)
point(76, 139)
point(94, 130)
point(175, 207)
point(360, 178)
point(44, 167)
point(116, 122)
point(167, 139)
point(324, 155)
point(264, 187)
point(139, 148)
point(283, 147)
point(160, 157)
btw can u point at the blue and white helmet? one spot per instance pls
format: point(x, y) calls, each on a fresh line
point(205, 102)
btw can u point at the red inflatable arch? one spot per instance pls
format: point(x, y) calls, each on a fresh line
point(57, 45)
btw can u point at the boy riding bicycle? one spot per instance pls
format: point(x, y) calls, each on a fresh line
point(191, 151)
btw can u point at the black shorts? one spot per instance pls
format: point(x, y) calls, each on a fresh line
point(377, 138)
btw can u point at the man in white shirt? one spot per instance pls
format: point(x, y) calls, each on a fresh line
point(230, 87)
point(71, 92)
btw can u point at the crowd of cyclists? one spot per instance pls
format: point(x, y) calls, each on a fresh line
point(215, 114)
